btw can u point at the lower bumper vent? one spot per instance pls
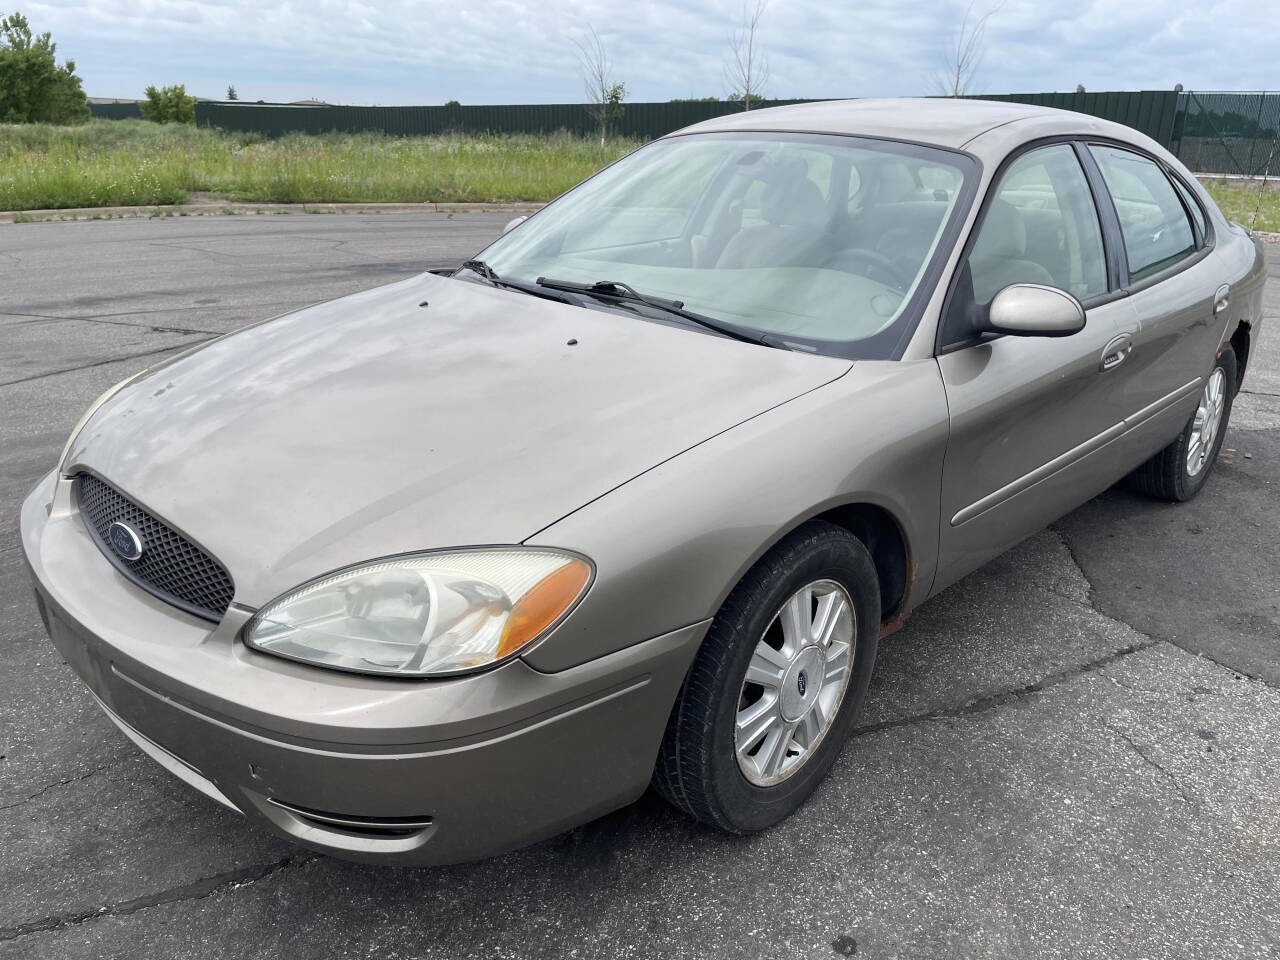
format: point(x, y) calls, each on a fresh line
point(364, 826)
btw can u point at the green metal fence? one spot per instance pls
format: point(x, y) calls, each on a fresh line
point(1232, 133)
point(1153, 112)
point(115, 111)
point(644, 121)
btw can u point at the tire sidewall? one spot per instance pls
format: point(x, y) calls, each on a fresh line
point(751, 807)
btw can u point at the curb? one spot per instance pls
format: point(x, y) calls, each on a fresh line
point(207, 208)
point(212, 208)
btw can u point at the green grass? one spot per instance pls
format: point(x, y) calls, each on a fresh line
point(134, 163)
point(105, 163)
point(1240, 199)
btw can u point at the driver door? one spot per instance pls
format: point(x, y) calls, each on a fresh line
point(1030, 416)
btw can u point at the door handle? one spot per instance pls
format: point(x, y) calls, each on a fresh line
point(1221, 299)
point(1116, 352)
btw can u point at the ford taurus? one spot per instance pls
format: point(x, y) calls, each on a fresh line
point(439, 569)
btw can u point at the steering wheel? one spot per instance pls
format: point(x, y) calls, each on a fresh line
point(872, 258)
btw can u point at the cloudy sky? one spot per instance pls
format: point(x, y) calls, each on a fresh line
point(520, 51)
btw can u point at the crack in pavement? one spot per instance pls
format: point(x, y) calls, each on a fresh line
point(102, 363)
point(1004, 698)
point(33, 318)
point(1092, 605)
point(60, 783)
point(196, 890)
point(1150, 761)
point(214, 256)
point(1234, 671)
point(995, 701)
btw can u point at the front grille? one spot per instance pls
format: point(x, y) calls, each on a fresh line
point(171, 566)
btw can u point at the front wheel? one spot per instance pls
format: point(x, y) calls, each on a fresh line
point(775, 688)
point(1179, 471)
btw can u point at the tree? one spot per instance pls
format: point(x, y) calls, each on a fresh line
point(1079, 88)
point(747, 71)
point(168, 105)
point(965, 55)
point(231, 92)
point(33, 88)
point(604, 94)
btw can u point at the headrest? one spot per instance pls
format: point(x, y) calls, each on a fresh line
point(896, 183)
point(1002, 235)
point(795, 201)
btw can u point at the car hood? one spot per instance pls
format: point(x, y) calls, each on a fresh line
point(428, 413)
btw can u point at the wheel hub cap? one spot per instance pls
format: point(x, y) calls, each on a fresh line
point(795, 682)
point(1207, 422)
point(801, 684)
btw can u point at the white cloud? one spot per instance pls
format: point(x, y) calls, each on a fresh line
point(505, 51)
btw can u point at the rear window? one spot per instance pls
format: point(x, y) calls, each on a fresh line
point(1156, 230)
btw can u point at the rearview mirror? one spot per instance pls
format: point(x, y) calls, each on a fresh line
point(513, 223)
point(1035, 310)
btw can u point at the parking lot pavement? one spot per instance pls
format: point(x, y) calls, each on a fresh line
point(1074, 752)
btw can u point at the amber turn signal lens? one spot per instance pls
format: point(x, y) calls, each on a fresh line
point(543, 605)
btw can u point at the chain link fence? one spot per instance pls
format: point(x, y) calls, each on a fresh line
point(1234, 134)
point(1232, 140)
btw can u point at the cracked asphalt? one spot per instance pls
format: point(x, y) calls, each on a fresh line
point(1074, 752)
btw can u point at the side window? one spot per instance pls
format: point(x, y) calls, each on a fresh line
point(1197, 213)
point(1157, 233)
point(1041, 226)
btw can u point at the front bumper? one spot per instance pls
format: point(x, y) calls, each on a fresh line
point(365, 768)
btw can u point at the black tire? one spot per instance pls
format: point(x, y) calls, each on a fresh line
point(698, 769)
point(1166, 476)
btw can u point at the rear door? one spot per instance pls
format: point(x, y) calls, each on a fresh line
point(1029, 415)
point(1175, 291)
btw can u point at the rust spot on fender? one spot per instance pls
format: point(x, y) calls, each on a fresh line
point(894, 624)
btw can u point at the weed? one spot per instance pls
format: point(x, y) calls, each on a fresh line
point(1239, 199)
point(136, 163)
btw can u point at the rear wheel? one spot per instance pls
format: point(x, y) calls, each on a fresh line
point(1180, 470)
point(776, 686)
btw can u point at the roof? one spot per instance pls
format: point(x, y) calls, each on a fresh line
point(938, 120)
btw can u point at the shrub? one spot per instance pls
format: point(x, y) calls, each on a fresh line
point(168, 105)
point(33, 88)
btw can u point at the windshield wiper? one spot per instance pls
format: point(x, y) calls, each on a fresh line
point(486, 272)
point(481, 268)
point(617, 290)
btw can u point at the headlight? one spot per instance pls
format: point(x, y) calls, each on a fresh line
point(426, 614)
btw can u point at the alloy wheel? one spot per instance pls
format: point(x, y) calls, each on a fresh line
point(795, 682)
point(1207, 422)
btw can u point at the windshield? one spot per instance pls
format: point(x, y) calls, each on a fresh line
point(824, 243)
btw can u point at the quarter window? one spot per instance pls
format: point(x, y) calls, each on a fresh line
point(1041, 226)
point(1197, 214)
point(1156, 231)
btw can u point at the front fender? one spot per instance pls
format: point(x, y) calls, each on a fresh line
point(670, 544)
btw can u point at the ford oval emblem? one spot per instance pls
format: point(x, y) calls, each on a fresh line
point(801, 682)
point(125, 540)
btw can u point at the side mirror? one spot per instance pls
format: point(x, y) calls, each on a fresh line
point(513, 223)
point(1035, 310)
